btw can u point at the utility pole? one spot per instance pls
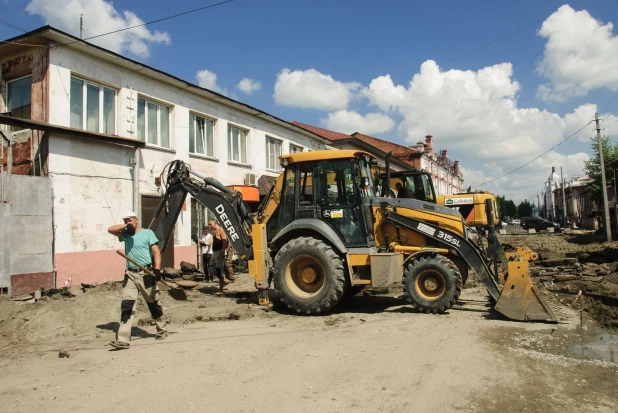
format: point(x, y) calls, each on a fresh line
point(81, 25)
point(564, 207)
point(608, 233)
point(538, 203)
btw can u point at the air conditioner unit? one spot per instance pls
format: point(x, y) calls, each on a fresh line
point(250, 179)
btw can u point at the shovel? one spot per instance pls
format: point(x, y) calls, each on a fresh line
point(176, 293)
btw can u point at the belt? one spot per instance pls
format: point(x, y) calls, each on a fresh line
point(148, 267)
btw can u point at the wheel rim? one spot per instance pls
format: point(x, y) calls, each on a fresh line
point(431, 284)
point(305, 276)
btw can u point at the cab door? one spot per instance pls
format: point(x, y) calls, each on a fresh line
point(338, 201)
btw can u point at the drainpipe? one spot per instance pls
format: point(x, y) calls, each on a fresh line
point(9, 167)
point(136, 200)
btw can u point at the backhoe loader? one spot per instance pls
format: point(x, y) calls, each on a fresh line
point(322, 231)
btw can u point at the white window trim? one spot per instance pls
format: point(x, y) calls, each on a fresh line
point(246, 132)
point(85, 105)
point(278, 166)
point(169, 123)
point(214, 134)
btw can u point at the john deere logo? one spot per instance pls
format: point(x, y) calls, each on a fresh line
point(449, 202)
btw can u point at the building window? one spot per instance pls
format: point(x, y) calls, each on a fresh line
point(93, 107)
point(273, 152)
point(201, 135)
point(295, 149)
point(153, 121)
point(18, 94)
point(236, 145)
point(18, 98)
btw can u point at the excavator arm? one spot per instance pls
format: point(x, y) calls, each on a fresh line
point(228, 207)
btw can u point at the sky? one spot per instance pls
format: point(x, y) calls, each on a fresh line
point(496, 83)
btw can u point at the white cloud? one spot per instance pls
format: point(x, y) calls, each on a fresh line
point(99, 17)
point(312, 89)
point(345, 121)
point(208, 80)
point(584, 114)
point(475, 116)
point(249, 85)
point(581, 54)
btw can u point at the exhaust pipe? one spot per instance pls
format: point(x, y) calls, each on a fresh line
point(387, 163)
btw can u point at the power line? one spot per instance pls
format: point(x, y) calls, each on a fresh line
point(610, 101)
point(150, 22)
point(12, 25)
point(529, 162)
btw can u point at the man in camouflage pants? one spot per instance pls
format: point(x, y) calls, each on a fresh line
point(141, 245)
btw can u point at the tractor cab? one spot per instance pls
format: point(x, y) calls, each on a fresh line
point(334, 187)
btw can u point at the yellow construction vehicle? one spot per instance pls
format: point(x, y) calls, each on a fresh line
point(417, 184)
point(322, 231)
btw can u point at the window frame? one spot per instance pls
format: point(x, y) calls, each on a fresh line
point(6, 98)
point(101, 103)
point(193, 117)
point(299, 148)
point(277, 166)
point(158, 134)
point(245, 132)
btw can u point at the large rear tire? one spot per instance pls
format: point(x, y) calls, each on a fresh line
point(432, 284)
point(308, 275)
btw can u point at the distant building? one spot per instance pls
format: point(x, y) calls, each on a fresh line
point(549, 200)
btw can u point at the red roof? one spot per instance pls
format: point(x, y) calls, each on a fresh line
point(325, 133)
point(399, 151)
point(403, 153)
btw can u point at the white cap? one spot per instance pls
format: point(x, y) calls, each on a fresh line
point(129, 214)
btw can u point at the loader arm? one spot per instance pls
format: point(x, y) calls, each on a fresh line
point(228, 207)
point(519, 299)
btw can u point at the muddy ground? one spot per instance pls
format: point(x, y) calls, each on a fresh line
point(591, 266)
point(373, 353)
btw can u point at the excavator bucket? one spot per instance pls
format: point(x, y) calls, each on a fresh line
point(521, 299)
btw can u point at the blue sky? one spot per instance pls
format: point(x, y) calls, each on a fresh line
point(348, 66)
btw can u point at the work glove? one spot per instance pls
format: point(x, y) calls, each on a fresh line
point(157, 274)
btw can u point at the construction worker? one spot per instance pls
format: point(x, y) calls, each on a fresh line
point(219, 245)
point(206, 243)
point(141, 245)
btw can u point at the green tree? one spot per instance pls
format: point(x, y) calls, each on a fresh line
point(506, 207)
point(524, 209)
point(510, 208)
point(593, 167)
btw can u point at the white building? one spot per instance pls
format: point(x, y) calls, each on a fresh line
point(553, 181)
point(132, 120)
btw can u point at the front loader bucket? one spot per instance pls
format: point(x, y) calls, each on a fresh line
point(521, 299)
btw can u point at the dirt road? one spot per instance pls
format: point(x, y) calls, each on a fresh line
point(373, 354)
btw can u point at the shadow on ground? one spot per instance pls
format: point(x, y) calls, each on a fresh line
point(135, 331)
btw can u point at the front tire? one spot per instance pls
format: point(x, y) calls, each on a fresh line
point(432, 284)
point(308, 274)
